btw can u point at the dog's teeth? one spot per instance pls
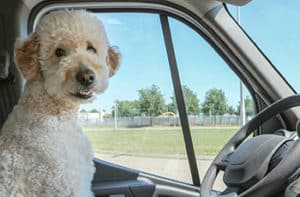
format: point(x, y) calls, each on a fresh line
point(85, 92)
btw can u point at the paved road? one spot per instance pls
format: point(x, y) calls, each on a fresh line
point(172, 167)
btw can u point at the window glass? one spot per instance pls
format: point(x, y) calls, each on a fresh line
point(129, 124)
point(273, 26)
point(212, 94)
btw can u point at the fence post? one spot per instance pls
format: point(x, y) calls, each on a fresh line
point(115, 117)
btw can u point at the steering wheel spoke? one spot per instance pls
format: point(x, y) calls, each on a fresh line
point(222, 163)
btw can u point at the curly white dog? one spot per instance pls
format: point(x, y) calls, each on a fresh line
point(43, 151)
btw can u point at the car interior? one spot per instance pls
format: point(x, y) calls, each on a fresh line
point(260, 160)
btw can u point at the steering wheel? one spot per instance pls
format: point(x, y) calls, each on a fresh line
point(277, 178)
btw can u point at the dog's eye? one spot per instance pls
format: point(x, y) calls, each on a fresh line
point(59, 52)
point(91, 49)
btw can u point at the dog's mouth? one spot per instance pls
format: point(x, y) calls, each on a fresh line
point(84, 94)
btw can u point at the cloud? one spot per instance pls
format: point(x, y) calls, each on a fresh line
point(113, 21)
point(110, 20)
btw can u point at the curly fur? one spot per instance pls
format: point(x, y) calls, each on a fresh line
point(42, 149)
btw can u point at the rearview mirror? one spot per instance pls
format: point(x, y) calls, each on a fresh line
point(236, 2)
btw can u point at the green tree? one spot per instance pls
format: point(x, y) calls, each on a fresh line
point(107, 116)
point(192, 102)
point(151, 101)
point(94, 111)
point(249, 106)
point(83, 111)
point(231, 110)
point(215, 102)
point(127, 108)
point(172, 107)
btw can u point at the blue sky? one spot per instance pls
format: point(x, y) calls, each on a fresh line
point(271, 24)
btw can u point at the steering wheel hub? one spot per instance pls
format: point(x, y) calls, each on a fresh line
point(250, 162)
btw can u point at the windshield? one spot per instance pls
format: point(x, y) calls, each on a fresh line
point(273, 26)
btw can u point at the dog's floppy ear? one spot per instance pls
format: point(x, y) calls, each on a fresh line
point(113, 60)
point(26, 56)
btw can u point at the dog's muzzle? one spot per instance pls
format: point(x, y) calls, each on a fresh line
point(87, 79)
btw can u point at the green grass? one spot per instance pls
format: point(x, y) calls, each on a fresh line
point(159, 141)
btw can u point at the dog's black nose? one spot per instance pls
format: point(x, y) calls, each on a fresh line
point(85, 76)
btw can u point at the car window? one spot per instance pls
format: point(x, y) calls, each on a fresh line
point(129, 124)
point(274, 29)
